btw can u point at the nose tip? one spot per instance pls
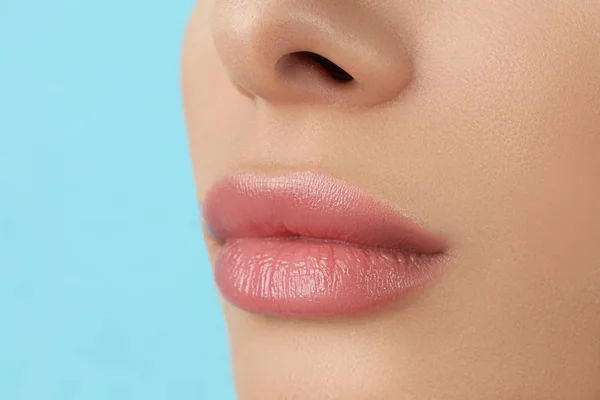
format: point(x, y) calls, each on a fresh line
point(334, 51)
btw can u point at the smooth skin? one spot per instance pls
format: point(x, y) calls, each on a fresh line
point(479, 119)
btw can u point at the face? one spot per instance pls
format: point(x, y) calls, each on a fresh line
point(478, 120)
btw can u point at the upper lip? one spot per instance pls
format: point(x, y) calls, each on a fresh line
point(309, 205)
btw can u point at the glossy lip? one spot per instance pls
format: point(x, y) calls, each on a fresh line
point(307, 245)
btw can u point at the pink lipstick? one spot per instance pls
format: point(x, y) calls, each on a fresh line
point(306, 245)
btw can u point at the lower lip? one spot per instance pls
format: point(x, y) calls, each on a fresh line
point(309, 278)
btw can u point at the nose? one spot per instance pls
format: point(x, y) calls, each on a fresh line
point(318, 51)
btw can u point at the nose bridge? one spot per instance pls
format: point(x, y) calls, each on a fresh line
point(296, 50)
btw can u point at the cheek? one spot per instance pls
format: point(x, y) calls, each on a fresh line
point(518, 134)
point(516, 123)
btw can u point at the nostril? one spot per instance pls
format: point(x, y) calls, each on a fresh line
point(329, 66)
point(306, 59)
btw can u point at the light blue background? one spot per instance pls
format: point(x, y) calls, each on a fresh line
point(105, 289)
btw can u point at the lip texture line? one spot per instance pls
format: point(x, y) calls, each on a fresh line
point(308, 245)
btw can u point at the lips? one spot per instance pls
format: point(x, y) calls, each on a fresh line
point(306, 245)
